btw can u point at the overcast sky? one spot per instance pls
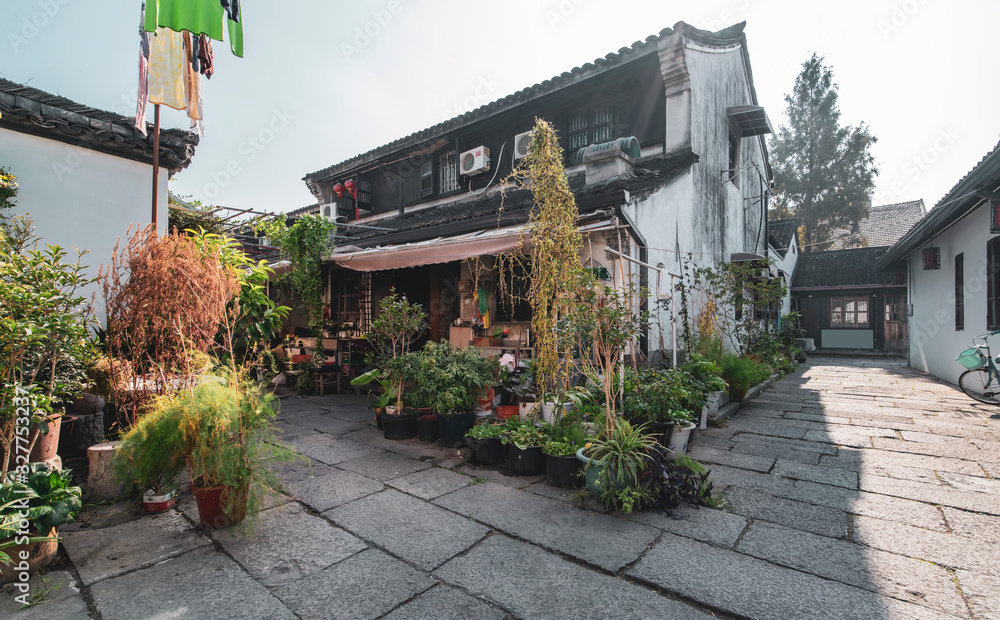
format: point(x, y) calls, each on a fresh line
point(324, 81)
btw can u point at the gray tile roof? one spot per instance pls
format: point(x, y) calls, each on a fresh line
point(37, 112)
point(780, 233)
point(884, 226)
point(853, 267)
point(732, 34)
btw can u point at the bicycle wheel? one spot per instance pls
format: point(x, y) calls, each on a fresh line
point(974, 384)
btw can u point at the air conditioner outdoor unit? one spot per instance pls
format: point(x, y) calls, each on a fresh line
point(328, 210)
point(521, 142)
point(475, 161)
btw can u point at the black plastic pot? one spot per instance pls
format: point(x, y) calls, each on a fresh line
point(427, 428)
point(527, 462)
point(563, 471)
point(399, 426)
point(662, 431)
point(453, 428)
point(488, 451)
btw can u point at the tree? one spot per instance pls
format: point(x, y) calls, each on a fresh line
point(824, 174)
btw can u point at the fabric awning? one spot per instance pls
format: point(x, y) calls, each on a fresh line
point(433, 251)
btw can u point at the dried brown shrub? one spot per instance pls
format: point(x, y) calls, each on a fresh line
point(165, 299)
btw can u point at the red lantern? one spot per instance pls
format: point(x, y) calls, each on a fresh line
point(349, 184)
point(338, 189)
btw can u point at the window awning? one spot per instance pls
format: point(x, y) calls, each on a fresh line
point(433, 251)
point(445, 249)
point(751, 120)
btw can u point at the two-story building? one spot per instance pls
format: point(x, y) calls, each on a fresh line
point(664, 150)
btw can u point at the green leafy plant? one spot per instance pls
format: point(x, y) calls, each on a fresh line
point(742, 373)
point(451, 379)
point(673, 477)
point(46, 498)
point(524, 433)
point(623, 455)
point(220, 430)
point(398, 324)
point(560, 448)
point(45, 348)
point(307, 244)
point(486, 431)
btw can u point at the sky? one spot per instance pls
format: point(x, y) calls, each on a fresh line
point(321, 82)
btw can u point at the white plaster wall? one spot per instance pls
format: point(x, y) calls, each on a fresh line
point(934, 342)
point(81, 198)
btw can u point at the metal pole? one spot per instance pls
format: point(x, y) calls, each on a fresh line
point(156, 158)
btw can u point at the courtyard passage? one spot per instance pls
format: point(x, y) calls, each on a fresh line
point(856, 488)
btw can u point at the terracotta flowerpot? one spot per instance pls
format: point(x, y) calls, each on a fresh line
point(221, 507)
point(506, 412)
point(40, 554)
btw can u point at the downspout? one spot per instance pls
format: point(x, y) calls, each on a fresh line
point(643, 269)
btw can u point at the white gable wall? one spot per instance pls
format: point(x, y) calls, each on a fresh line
point(79, 197)
point(934, 342)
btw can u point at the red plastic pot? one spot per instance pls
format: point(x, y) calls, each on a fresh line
point(505, 412)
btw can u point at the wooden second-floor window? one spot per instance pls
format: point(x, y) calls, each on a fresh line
point(594, 124)
point(447, 172)
point(848, 312)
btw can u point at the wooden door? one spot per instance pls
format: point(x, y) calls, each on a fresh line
point(895, 322)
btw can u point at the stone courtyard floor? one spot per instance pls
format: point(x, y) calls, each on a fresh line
point(857, 488)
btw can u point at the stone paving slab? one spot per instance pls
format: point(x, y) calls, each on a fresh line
point(754, 588)
point(54, 596)
point(982, 593)
point(497, 570)
point(812, 473)
point(756, 504)
point(938, 547)
point(982, 527)
point(99, 554)
point(408, 528)
point(332, 450)
point(932, 493)
point(384, 468)
point(760, 464)
point(715, 527)
point(298, 469)
point(332, 489)
point(430, 483)
point(898, 509)
point(598, 539)
point(287, 544)
point(444, 603)
point(807, 452)
point(200, 585)
point(327, 424)
point(857, 460)
point(500, 475)
point(889, 574)
point(365, 586)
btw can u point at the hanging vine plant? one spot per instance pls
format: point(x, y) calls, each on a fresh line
point(307, 243)
point(555, 254)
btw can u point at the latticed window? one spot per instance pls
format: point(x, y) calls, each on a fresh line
point(596, 124)
point(447, 172)
point(848, 312)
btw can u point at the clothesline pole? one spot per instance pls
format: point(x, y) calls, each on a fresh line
point(156, 157)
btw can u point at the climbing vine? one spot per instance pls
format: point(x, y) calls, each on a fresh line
point(307, 243)
point(555, 254)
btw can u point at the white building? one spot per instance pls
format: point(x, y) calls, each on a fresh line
point(953, 259)
point(84, 175)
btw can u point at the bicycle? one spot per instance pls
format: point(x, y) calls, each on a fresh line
point(982, 379)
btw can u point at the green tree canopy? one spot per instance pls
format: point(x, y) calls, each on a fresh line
point(824, 174)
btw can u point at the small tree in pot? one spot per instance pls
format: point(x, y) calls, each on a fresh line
point(398, 324)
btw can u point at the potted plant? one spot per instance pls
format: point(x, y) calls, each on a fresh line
point(45, 500)
point(615, 463)
point(652, 396)
point(484, 441)
point(398, 324)
point(522, 384)
point(524, 441)
point(562, 468)
point(220, 430)
point(684, 425)
point(452, 380)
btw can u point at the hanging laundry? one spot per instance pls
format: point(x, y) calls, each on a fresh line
point(196, 16)
point(140, 106)
point(205, 56)
point(193, 44)
point(192, 87)
point(167, 62)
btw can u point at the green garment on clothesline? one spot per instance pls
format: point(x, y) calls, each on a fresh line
point(197, 17)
